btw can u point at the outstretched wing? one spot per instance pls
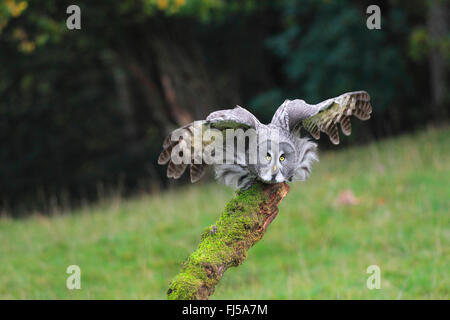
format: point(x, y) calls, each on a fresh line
point(233, 118)
point(221, 120)
point(324, 116)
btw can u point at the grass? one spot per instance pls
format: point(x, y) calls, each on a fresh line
point(315, 248)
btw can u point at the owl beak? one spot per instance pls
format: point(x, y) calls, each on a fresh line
point(275, 168)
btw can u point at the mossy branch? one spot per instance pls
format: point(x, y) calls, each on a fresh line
point(225, 244)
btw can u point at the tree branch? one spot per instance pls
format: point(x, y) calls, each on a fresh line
point(225, 244)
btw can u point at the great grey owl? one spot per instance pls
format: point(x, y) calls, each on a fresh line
point(282, 155)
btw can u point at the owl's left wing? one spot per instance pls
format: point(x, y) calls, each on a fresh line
point(324, 116)
point(237, 118)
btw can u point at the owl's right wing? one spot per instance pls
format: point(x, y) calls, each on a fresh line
point(324, 116)
point(237, 118)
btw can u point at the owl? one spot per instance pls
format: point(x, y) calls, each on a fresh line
point(281, 154)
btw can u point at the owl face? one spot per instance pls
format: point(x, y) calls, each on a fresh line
point(277, 164)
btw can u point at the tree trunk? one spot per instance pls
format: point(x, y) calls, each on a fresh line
point(438, 29)
point(225, 244)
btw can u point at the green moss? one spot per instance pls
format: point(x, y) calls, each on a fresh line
point(184, 286)
point(222, 245)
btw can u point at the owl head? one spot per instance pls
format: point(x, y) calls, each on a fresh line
point(276, 160)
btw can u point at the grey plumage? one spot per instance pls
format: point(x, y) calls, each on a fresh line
point(289, 157)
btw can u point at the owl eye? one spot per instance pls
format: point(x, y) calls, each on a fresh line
point(268, 157)
point(282, 158)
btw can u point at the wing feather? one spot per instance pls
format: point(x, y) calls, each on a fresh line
point(324, 116)
point(222, 119)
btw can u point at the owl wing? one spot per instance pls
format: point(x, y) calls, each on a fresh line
point(223, 119)
point(324, 116)
point(233, 118)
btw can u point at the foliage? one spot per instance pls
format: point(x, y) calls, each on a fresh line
point(326, 49)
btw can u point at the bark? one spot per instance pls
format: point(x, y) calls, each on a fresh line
point(225, 244)
point(438, 29)
point(125, 104)
point(150, 91)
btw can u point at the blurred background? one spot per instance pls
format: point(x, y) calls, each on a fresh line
point(84, 111)
point(83, 114)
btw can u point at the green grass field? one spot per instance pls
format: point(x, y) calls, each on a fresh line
point(317, 248)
